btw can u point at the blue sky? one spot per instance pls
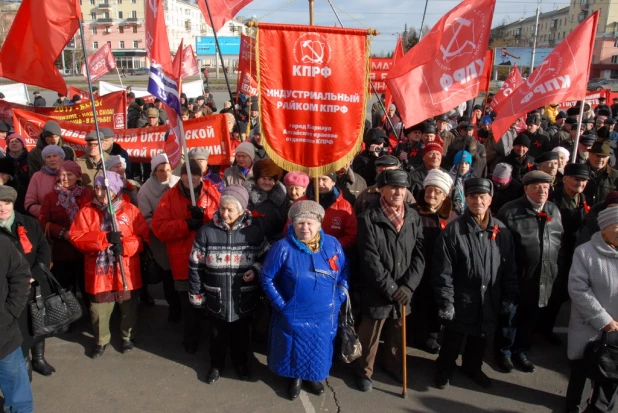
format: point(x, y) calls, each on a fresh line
point(386, 16)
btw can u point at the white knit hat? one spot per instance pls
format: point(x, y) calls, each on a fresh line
point(438, 178)
point(560, 149)
point(158, 160)
point(607, 217)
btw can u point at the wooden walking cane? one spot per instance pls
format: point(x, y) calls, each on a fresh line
point(404, 352)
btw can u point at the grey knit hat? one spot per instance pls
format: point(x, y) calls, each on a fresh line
point(113, 160)
point(306, 210)
point(239, 193)
point(49, 149)
point(7, 193)
point(607, 217)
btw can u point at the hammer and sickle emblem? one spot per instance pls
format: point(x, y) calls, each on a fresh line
point(153, 5)
point(454, 48)
point(313, 52)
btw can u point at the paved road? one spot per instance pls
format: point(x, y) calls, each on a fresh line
point(158, 376)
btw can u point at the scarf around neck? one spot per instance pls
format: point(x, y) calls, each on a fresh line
point(48, 171)
point(394, 214)
point(8, 224)
point(106, 259)
point(67, 198)
point(314, 243)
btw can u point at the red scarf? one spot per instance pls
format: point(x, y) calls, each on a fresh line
point(394, 214)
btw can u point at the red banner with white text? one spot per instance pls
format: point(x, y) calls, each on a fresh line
point(111, 111)
point(247, 69)
point(591, 97)
point(209, 132)
point(312, 84)
point(380, 67)
point(100, 63)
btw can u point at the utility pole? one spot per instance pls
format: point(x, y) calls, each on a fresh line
point(536, 35)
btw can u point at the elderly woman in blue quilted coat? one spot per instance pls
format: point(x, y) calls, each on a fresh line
point(305, 279)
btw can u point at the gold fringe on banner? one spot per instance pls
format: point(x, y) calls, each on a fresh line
point(285, 164)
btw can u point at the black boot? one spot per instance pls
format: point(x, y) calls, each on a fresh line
point(39, 364)
point(29, 368)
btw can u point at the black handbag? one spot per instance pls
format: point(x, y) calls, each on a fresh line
point(351, 348)
point(152, 272)
point(601, 359)
point(54, 313)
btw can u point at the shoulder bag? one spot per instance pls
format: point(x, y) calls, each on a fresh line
point(601, 359)
point(350, 344)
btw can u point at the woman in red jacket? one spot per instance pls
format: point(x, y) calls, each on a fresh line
point(58, 210)
point(92, 233)
point(176, 222)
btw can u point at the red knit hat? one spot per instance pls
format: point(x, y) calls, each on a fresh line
point(432, 146)
point(296, 179)
point(16, 136)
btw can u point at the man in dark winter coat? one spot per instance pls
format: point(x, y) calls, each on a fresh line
point(474, 282)
point(364, 163)
point(136, 118)
point(603, 178)
point(571, 202)
point(466, 141)
point(51, 135)
point(519, 158)
point(256, 141)
point(38, 99)
point(350, 183)
point(390, 246)
point(410, 151)
point(536, 226)
point(539, 142)
point(591, 225)
point(14, 289)
point(111, 147)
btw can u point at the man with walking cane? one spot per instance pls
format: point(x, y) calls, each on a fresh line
point(390, 242)
point(475, 282)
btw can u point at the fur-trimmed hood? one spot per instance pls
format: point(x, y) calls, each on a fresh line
point(444, 212)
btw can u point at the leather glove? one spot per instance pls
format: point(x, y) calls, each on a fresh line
point(113, 237)
point(447, 314)
point(196, 212)
point(402, 295)
point(117, 249)
point(194, 224)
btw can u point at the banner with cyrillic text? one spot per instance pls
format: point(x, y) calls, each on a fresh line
point(111, 111)
point(380, 67)
point(246, 82)
point(210, 132)
point(312, 84)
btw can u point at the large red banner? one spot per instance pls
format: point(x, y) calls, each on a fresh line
point(209, 132)
point(312, 83)
point(561, 77)
point(100, 63)
point(75, 91)
point(380, 67)
point(591, 97)
point(446, 67)
point(247, 67)
point(512, 82)
point(111, 111)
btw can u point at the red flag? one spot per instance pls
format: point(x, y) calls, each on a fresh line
point(189, 63)
point(177, 61)
point(397, 55)
point(157, 44)
point(489, 66)
point(247, 68)
point(222, 11)
point(445, 68)
point(39, 33)
point(512, 82)
point(563, 75)
point(100, 63)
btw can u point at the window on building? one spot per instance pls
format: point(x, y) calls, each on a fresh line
point(615, 59)
point(121, 44)
point(92, 2)
point(95, 45)
point(616, 43)
point(134, 14)
point(563, 34)
point(94, 30)
point(120, 15)
point(119, 1)
point(80, 2)
point(134, 1)
point(120, 29)
point(134, 29)
point(135, 44)
point(109, 42)
point(93, 16)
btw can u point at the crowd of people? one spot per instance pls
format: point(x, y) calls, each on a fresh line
point(466, 237)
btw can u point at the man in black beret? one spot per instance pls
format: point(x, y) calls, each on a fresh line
point(410, 151)
point(519, 158)
point(570, 199)
point(548, 162)
point(364, 163)
point(442, 127)
point(471, 295)
point(586, 140)
point(390, 246)
point(539, 141)
point(537, 230)
point(589, 123)
point(603, 178)
point(371, 195)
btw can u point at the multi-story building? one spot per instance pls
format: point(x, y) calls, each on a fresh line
point(557, 24)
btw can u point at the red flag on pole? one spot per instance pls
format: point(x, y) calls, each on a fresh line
point(101, 62)
point(445, 68)
point(563, 75)
point(397, 55)
point(157, 44)
point(177, 61)
point(222, 10)
point(512, 82)
point(489, 65)
point(189, 63)
point(39, 33)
